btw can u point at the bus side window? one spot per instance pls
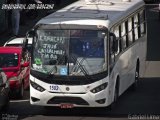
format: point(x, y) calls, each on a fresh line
point(126, 29)
point(136, 26)
point(130, 31)
point(123, 36)
point(142, 22)
point(116, 31)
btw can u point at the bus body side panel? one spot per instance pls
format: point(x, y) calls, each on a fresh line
point(125, 66)
point(139, 54)
point(124, 70)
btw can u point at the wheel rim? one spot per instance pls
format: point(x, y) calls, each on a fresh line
point(136, 78)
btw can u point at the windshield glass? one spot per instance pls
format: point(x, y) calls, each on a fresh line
point(8, 60)
point(69, 52)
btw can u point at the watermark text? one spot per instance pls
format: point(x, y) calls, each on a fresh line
point(143, 117)
point(24, 6)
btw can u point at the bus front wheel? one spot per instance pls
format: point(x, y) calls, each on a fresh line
point(115, 98)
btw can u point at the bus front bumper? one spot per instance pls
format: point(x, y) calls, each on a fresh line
point(87, 99)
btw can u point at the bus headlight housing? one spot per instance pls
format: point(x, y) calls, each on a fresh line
point(36, 86)
point(100, 88)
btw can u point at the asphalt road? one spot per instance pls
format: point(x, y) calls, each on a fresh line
point(153, 33)
point(144, 102)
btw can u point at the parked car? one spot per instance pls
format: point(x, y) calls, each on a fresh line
point(16, 65)
point(19, 42)
point(4, 91)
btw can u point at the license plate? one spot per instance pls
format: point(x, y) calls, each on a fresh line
point(66, 105)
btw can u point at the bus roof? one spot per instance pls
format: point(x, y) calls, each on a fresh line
point(99, 13)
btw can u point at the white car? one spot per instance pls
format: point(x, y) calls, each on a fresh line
point(18, 42)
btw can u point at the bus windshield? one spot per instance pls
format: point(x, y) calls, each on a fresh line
point(70, 52)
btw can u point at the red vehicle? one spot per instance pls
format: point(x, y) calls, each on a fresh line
point(15, 63)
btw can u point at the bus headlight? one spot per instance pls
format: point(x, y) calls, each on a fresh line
point(99, 88)
point(36, 86)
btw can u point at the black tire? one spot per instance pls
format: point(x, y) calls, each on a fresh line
point(136, 81)
point(115, 95)
point(112, 106)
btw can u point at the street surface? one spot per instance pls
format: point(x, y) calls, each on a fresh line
point(145, 101)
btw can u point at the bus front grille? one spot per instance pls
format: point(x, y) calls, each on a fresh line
point(71, 100)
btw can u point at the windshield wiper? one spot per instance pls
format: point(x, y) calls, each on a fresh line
point(79, 64)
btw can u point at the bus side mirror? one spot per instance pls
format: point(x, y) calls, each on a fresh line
point(115, 46)
point(114, 42)
point(25, 43)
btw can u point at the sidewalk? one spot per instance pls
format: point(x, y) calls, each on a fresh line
point(30, 23)
point(152, 69)
point(153, 56)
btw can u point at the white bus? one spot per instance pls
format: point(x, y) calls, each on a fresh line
point(88, 53)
